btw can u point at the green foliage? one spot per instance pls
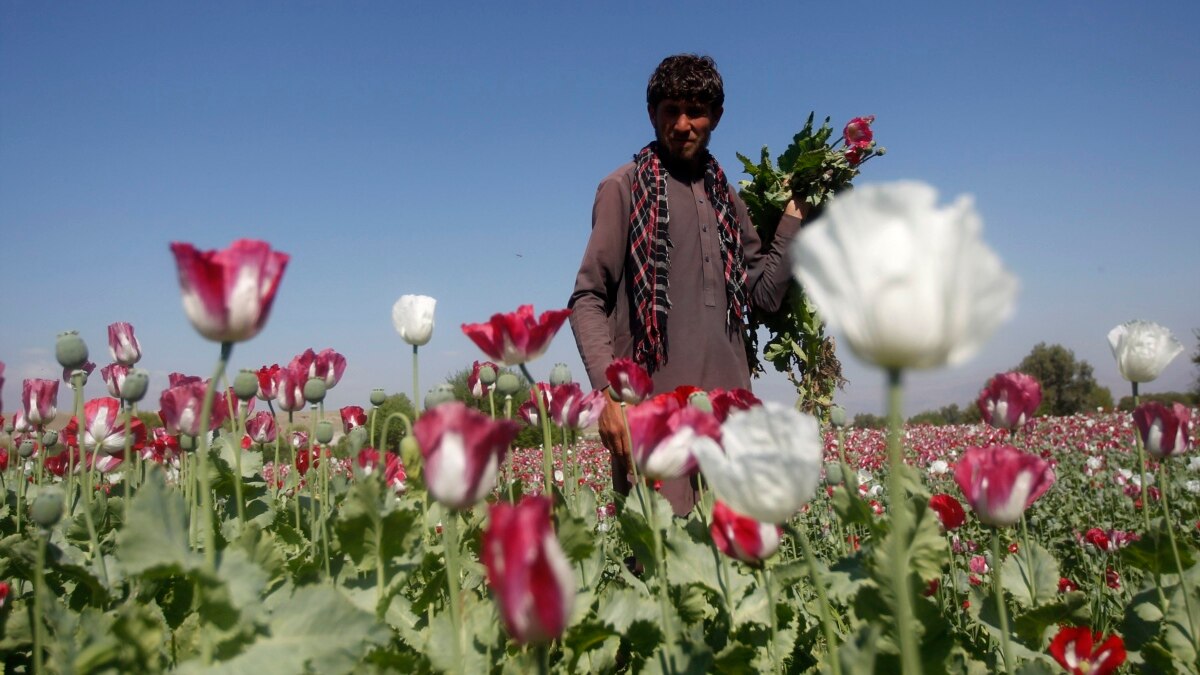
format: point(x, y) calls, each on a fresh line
point(814, 171)
point(868, 421)
point(1068, 386)
point(527, 437)
point(1166, 398)
point(396, 403)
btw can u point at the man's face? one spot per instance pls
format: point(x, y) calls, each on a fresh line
point(684, 127)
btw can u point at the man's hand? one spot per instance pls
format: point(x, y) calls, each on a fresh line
point(797, 208)
point(612, 430)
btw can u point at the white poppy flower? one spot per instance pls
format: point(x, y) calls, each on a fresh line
point(771, 463)
point(1142, 349)
point(412, 315)
point(909, 284)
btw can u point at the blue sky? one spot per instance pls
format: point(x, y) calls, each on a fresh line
point(454, 151)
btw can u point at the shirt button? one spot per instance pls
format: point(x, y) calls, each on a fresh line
point(700, 201)
point(704, 229)
point(705, 258)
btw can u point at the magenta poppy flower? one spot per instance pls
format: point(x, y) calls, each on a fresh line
point(949, 511)
point(858, 132)
point(262, 428)
point(462, 449)
point(352, 416)
point(476, 386)
point(289, 386)
point(180, 409)
point(528, 411)
point(665, 434)
point(527, 570)
point(227, 294)
point(630, 383)
point(742, 537)
point(724, 402)
point(1000, 482)
point(88, 367)
point(517, 337)
point(3, 593)
point(1009, 400)
point(114, 375)
point(176, 379)
point(1082, 651)
point(39, 401)
point(122, 344)
point(571, 408)
point(1165, 431)
point(104, 429)
point(326, 365)
point(268, 381)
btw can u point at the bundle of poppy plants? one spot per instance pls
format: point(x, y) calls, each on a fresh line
point(230, 537)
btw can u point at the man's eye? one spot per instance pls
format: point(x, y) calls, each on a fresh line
point(697, 111)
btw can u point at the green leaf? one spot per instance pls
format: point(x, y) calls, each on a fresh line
point(619, 609)
point(364, 526)
point(316, 628)
point(1031, 566)
point(577, 538)
point(1031, 627)
point(154, 540)
point(1177, 631)
point(1152, 552)
point(925, 549)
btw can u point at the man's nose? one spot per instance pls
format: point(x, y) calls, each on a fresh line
point(683, 123)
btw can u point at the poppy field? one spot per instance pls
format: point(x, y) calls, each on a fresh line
point(221, 537)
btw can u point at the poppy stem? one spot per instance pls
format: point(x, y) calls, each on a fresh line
point(1165, 480)
point(901, 524)
point(831, 636)
point(1000, 606)
point(450, 543)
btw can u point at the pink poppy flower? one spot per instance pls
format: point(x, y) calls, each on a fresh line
point(262, 428)
point(1000, 482)
point(517, 337)
point(122, 344)
point(39, 401)
point(527, 570)
point(1165, 431)
point(352, 416)
point(858, 132)
point(1082, 651)
point(742, 537)
point(1009, 400)
point(462, 449)
point(630, 383)
point(227, 294)
point(664, 434)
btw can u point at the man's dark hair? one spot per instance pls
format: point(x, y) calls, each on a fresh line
point(688, 77)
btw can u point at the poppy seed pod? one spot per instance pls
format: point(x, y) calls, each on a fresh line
point(187, 442)
point(410, 452)
point(833, 474)
point(507, 384)
point(443, 393)
point(378, 396)
point(837, 416)
point(49, 439)
point(133, 389)
point(70, 350)
point(245, 385)
point(324, 432)
point(700, 401)
point(560, 374)
point(314, 390)
point(26, 448)
point(487, 375)
point(47, 509)
point(358, 439)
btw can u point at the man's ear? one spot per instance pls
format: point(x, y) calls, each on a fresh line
point(716, 115)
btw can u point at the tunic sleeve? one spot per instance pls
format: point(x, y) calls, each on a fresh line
point(599, 279)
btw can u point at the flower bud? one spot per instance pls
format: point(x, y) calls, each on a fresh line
point(47, 509)
point(358, 439)
point(507, 384)
point(443, 393)
point(410, 452)
point(324, 432)
point(187, 442)
point(833, 474)
point(133, 389)
point(699, 400)
point(487, 375)
point(880, 150)
point(49, 439)
point(314, 390)
point(25, 450)
point(378, 396)
point(9, 426)
point(560, 374)
point(70, 350)
point(837, 416)
point(245, 385)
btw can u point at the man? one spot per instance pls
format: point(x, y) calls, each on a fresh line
point(673, 263)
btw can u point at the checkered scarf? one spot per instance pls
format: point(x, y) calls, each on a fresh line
point(650, 253)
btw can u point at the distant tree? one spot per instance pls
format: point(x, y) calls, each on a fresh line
point(1196, 360)
point(528, 437)
point(395, 430)
point(1068, 386)
point(933, 417)
point(1167, 398)
point(868, 421)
